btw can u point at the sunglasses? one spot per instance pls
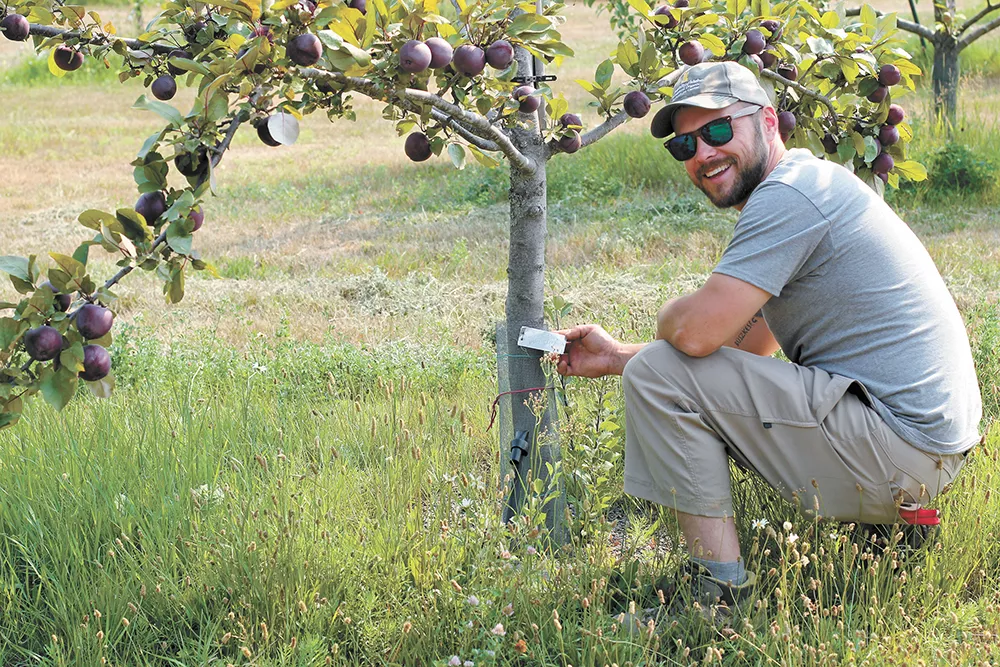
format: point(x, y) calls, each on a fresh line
point(716, 132)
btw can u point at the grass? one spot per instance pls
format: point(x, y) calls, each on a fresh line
point(295, 468)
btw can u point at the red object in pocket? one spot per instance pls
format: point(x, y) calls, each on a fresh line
point(920, 516)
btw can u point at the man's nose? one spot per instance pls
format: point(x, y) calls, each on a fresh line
point(703, 152)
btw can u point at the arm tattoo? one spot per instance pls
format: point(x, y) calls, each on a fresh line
point(746, 329)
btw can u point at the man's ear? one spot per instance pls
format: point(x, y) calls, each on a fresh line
point(770, 119)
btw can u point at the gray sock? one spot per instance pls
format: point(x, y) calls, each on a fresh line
point(733, 572)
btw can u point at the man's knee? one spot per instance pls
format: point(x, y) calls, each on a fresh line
point(651, 363)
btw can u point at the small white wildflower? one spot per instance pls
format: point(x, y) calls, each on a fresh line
point(759, 523)
point(468, 663)
point(498, 630)
point(833, 536)
point(466, 503)
point(469, 625)
point(531, 551)
point(805, 561)
point(787, 525)
point(473, 600)
point(455, 661)
point(792, 537)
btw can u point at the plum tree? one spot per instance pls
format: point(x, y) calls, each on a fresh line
point(270, 64)
point(952, 33)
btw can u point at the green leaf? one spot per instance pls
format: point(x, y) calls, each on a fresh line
point(58, 387)
point(713, 44)
point(82, 252)
point(457, 155)
point(484, 159)
point(604, 72)
point(169, 113)
point(15, 266)
point(72, 267)
point(92, 219)
point(10, 330)
point(586, 85)
point(912, 170)
point(72, 357)
point(134, 226)
point(174, 289)
point(627, 57)
point(102, 388)
point(178, 239)
point(868, 15)
point(10, 412)
point(820, 46)
point(846, 151)
point(189, 65)
point(871, 149)
point(641, 7)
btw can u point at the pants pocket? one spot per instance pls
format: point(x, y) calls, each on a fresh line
point(917, 476)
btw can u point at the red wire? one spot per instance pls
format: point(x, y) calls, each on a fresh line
point(493, 415)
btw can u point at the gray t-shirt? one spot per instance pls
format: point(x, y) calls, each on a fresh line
point(855, 293)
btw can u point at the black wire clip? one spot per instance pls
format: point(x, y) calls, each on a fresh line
point(532, 79)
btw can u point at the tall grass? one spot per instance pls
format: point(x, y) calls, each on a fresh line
point(291, 504)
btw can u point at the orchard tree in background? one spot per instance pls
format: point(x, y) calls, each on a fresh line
point(465, 79)
point(951, 34)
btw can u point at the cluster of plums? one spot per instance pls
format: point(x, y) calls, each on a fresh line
point(16, 28)
point(468, 59)
point(44, 343)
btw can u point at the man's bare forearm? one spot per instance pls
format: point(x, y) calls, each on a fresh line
point(755, 337)
point(625, 352)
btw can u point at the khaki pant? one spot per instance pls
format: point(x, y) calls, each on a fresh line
point(803, 430)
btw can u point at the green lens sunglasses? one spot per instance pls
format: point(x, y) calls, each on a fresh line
point(716, 132)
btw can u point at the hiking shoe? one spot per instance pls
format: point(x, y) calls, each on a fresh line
point(692, 590)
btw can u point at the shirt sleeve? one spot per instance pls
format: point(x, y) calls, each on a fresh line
point(777, 232)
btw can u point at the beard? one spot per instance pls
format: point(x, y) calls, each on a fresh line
point(747, 177)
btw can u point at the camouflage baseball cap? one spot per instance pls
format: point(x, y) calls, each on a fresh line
point(710, 86)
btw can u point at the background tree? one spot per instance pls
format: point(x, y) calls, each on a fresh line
point(951, 34)
point(466, 79)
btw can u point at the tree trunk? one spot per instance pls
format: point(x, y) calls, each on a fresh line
point(945, 78)
point(525, 307)
point(945, 75)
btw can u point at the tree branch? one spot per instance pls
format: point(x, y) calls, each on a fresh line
point(978, 32)
point(473, 123)
point(603, 129)
point(989, 8)
point(774, 76)
point(50, 31)
point(464, 132)
point(902, 24)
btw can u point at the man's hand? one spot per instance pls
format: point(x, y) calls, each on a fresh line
point(590, 352)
